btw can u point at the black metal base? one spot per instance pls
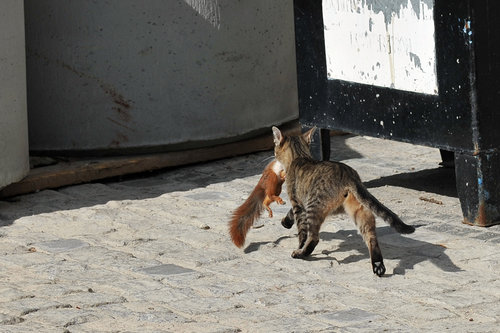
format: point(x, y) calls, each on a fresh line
point(320, 144)
point(477, 180)
point(478, 186)
point(448, 158)
point(462, 117)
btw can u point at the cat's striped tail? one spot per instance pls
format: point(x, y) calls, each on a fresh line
point(369, 201)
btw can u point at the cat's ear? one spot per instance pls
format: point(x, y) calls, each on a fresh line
point(308, 135)
point(277, 136)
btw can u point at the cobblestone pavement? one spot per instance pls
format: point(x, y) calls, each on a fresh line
point(152, 254)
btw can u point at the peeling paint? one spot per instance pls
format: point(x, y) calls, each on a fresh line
point(392, 7)
point(416, 60)
point(467, 30)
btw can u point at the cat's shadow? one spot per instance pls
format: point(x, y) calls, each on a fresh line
point(394, 246)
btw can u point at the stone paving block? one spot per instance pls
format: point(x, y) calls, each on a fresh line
point(458, 297)
point(481, 312)
point(197, 305)
point(86, 300)
point(25, 306)
point(348, 317)
point(243, 317)
point(212, 287)
point(424, 311)
point(166, 269)
point(209, 195)
point(10, 320)
point(64, 318)
point(486, 236)
point(200, 326)
point(307, 308)
point(291, 324)
point(162, 296)
point(116, 259)
point(458, 324)
point(61, 245)
point(26, 260)
point(143, 315)
point(26, 326)
point(155, 251)
point(11, 293)
point(381, 326)
point(57, 290)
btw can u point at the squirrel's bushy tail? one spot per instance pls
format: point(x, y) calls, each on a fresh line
point(244, 217)
point(369, 201)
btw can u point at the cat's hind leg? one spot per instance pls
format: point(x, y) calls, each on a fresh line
point(365, 221)
point(312, 225)
point(300, 216)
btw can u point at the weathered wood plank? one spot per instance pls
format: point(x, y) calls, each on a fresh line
point(88, 170)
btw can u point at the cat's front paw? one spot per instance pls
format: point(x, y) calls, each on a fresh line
point(378, 268)
point(286, 222)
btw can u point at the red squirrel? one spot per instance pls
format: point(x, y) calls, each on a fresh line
point(265, 192)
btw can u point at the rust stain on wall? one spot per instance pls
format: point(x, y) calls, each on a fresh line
point(120, 124)
point(118, 140)
point(122, 105)
point(124, 115)
point(481, 216)
point(116, 96)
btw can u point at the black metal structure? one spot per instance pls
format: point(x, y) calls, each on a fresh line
point(463, 117)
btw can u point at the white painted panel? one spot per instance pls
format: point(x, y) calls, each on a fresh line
point(385, 43)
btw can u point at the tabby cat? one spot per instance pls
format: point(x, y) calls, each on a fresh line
point(319, 188)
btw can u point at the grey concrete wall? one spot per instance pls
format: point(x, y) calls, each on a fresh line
point(14, 161)
point(135, 74)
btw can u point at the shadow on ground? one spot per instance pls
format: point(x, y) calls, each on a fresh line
point(255, 246)
point(133, 187)
point(147, 184)
point(340, 151)
point(409, 252)
point(153, 184)
point(439, 181)
point(394, 246)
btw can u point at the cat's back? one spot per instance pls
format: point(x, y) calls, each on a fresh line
point(308, 172)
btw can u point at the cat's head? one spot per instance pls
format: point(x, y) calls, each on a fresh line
point(288, 148)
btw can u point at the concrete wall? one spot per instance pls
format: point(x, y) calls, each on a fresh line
point(127, 74)
point(14, 161)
